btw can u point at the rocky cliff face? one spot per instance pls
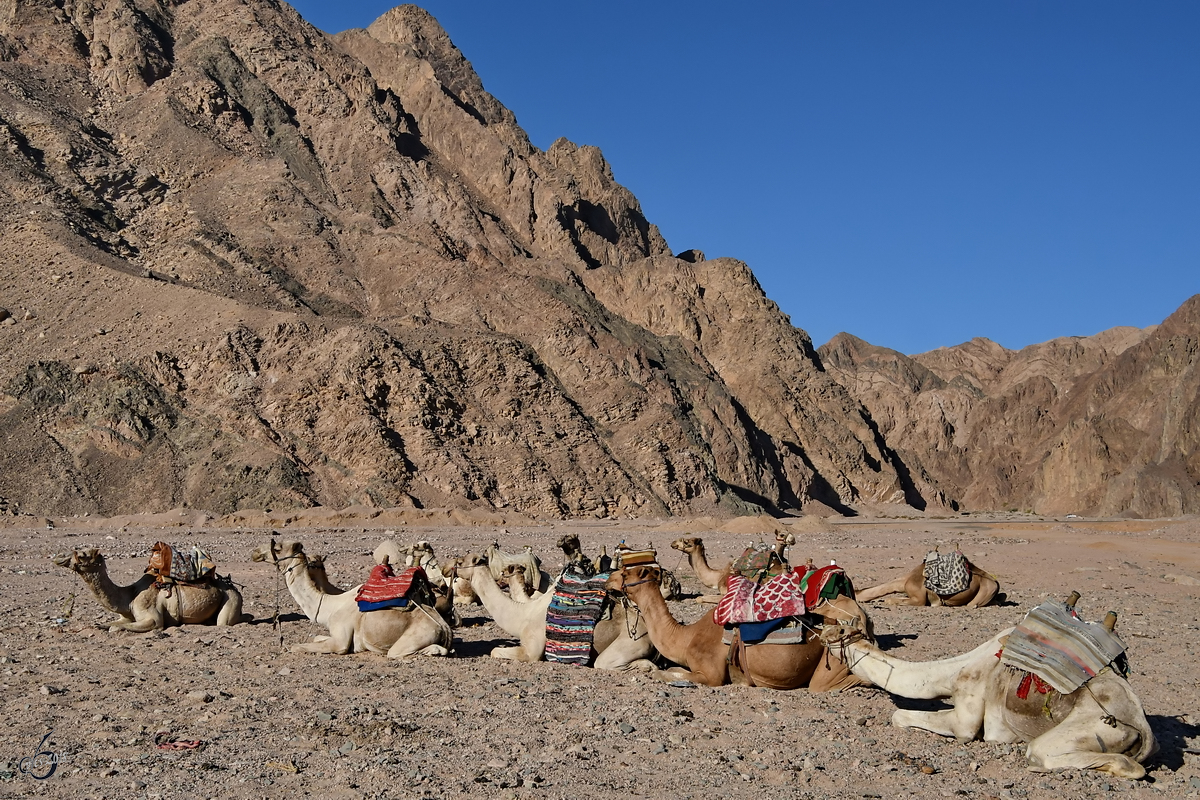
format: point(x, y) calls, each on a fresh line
point(1099, 425)
point(251, 265)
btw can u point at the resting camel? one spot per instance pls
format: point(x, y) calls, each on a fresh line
point(143, 607)
point(715, 578)
point(1101, 725)
point(619, 645)
point(983, 590)
point(418, 554)
point(704, 659)
point(398, 633)
point(518, 589)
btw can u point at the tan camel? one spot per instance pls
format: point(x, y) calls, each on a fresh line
point(620, 644)
point(983, 590)
point(144, 607)
point(705, 659)
point(694, 547)
point(518, 588)
point(398, 633)
point(1099, 726)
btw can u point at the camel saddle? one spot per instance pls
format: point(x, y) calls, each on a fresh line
point(172, 565)
point(947, 573)
point(385, 589)
point(1054, 644)
point(759, 562)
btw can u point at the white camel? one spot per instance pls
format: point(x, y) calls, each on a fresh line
point(1099, 726)
point(395, 632)
point(621, 643)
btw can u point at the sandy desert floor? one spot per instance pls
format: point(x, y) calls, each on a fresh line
point(277, 724)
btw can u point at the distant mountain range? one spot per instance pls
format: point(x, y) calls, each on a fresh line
point(251, 265)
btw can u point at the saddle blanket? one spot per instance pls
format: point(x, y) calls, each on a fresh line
point(759, 561)
point(825, 583)
point(947, 573)
point(746, 601)
point(777, 631)
point(385, 586)
point(1053, 643)
point(575, 608)
point(171, 563)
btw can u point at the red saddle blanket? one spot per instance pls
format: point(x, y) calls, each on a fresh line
point(747, 601)
point(384, 584)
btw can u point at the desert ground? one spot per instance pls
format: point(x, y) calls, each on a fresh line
point(270, 723)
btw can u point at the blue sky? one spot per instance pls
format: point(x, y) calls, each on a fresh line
point(914, 173)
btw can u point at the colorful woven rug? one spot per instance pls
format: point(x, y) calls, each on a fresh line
point(386, 589)
point(575, 608)
point(1053, 643)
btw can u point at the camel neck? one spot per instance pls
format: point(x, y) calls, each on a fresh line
point(666, 633)
point(116, 599)
point(912, 679)
point(509, 615)
point(307, 594)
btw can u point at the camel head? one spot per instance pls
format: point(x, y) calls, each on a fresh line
point(837, 637)
point(514, 569)
point(570, 545)
point(466, 566)
point(279, 552)
point(688, 545)
point(81, 561)
point(625, 579)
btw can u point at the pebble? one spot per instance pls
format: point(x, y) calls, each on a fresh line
point(200, 696)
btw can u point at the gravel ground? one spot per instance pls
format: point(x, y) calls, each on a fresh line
point(272, 724)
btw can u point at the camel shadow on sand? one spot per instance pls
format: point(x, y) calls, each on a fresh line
point(1173, 734)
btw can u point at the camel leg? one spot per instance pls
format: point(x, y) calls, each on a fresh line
point(231, 611)
point(612, 658)
point(833, 673)
point(144, 625)
point(413, 643)
point(988, 589)
point(1074, 744)
point(512, 654)
point(875, 592)
point(907, 600)
point(962, 722)
point(681, 674)
point(340, 642)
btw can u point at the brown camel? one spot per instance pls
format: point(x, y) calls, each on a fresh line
point(704, 658)
point(694, 547)
point(983, 590)
point(144, 606)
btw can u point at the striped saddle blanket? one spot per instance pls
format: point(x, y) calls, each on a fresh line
point(575, 608)
point(386, 589)
point(1053, 643)
point(172, 564)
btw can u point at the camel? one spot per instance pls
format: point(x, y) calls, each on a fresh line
point(144, 607)
point(704, 658)
point(419, 554)
point(1099, 726)
point(983, 590)
point(619, 645)
point(518, 589)
point(693, 546)
point(397, 633)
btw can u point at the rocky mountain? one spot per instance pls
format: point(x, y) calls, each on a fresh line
point(1100, 425)
point(249, 264)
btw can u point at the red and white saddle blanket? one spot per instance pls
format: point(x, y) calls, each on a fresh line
point(747, 601)
point(385, 585)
